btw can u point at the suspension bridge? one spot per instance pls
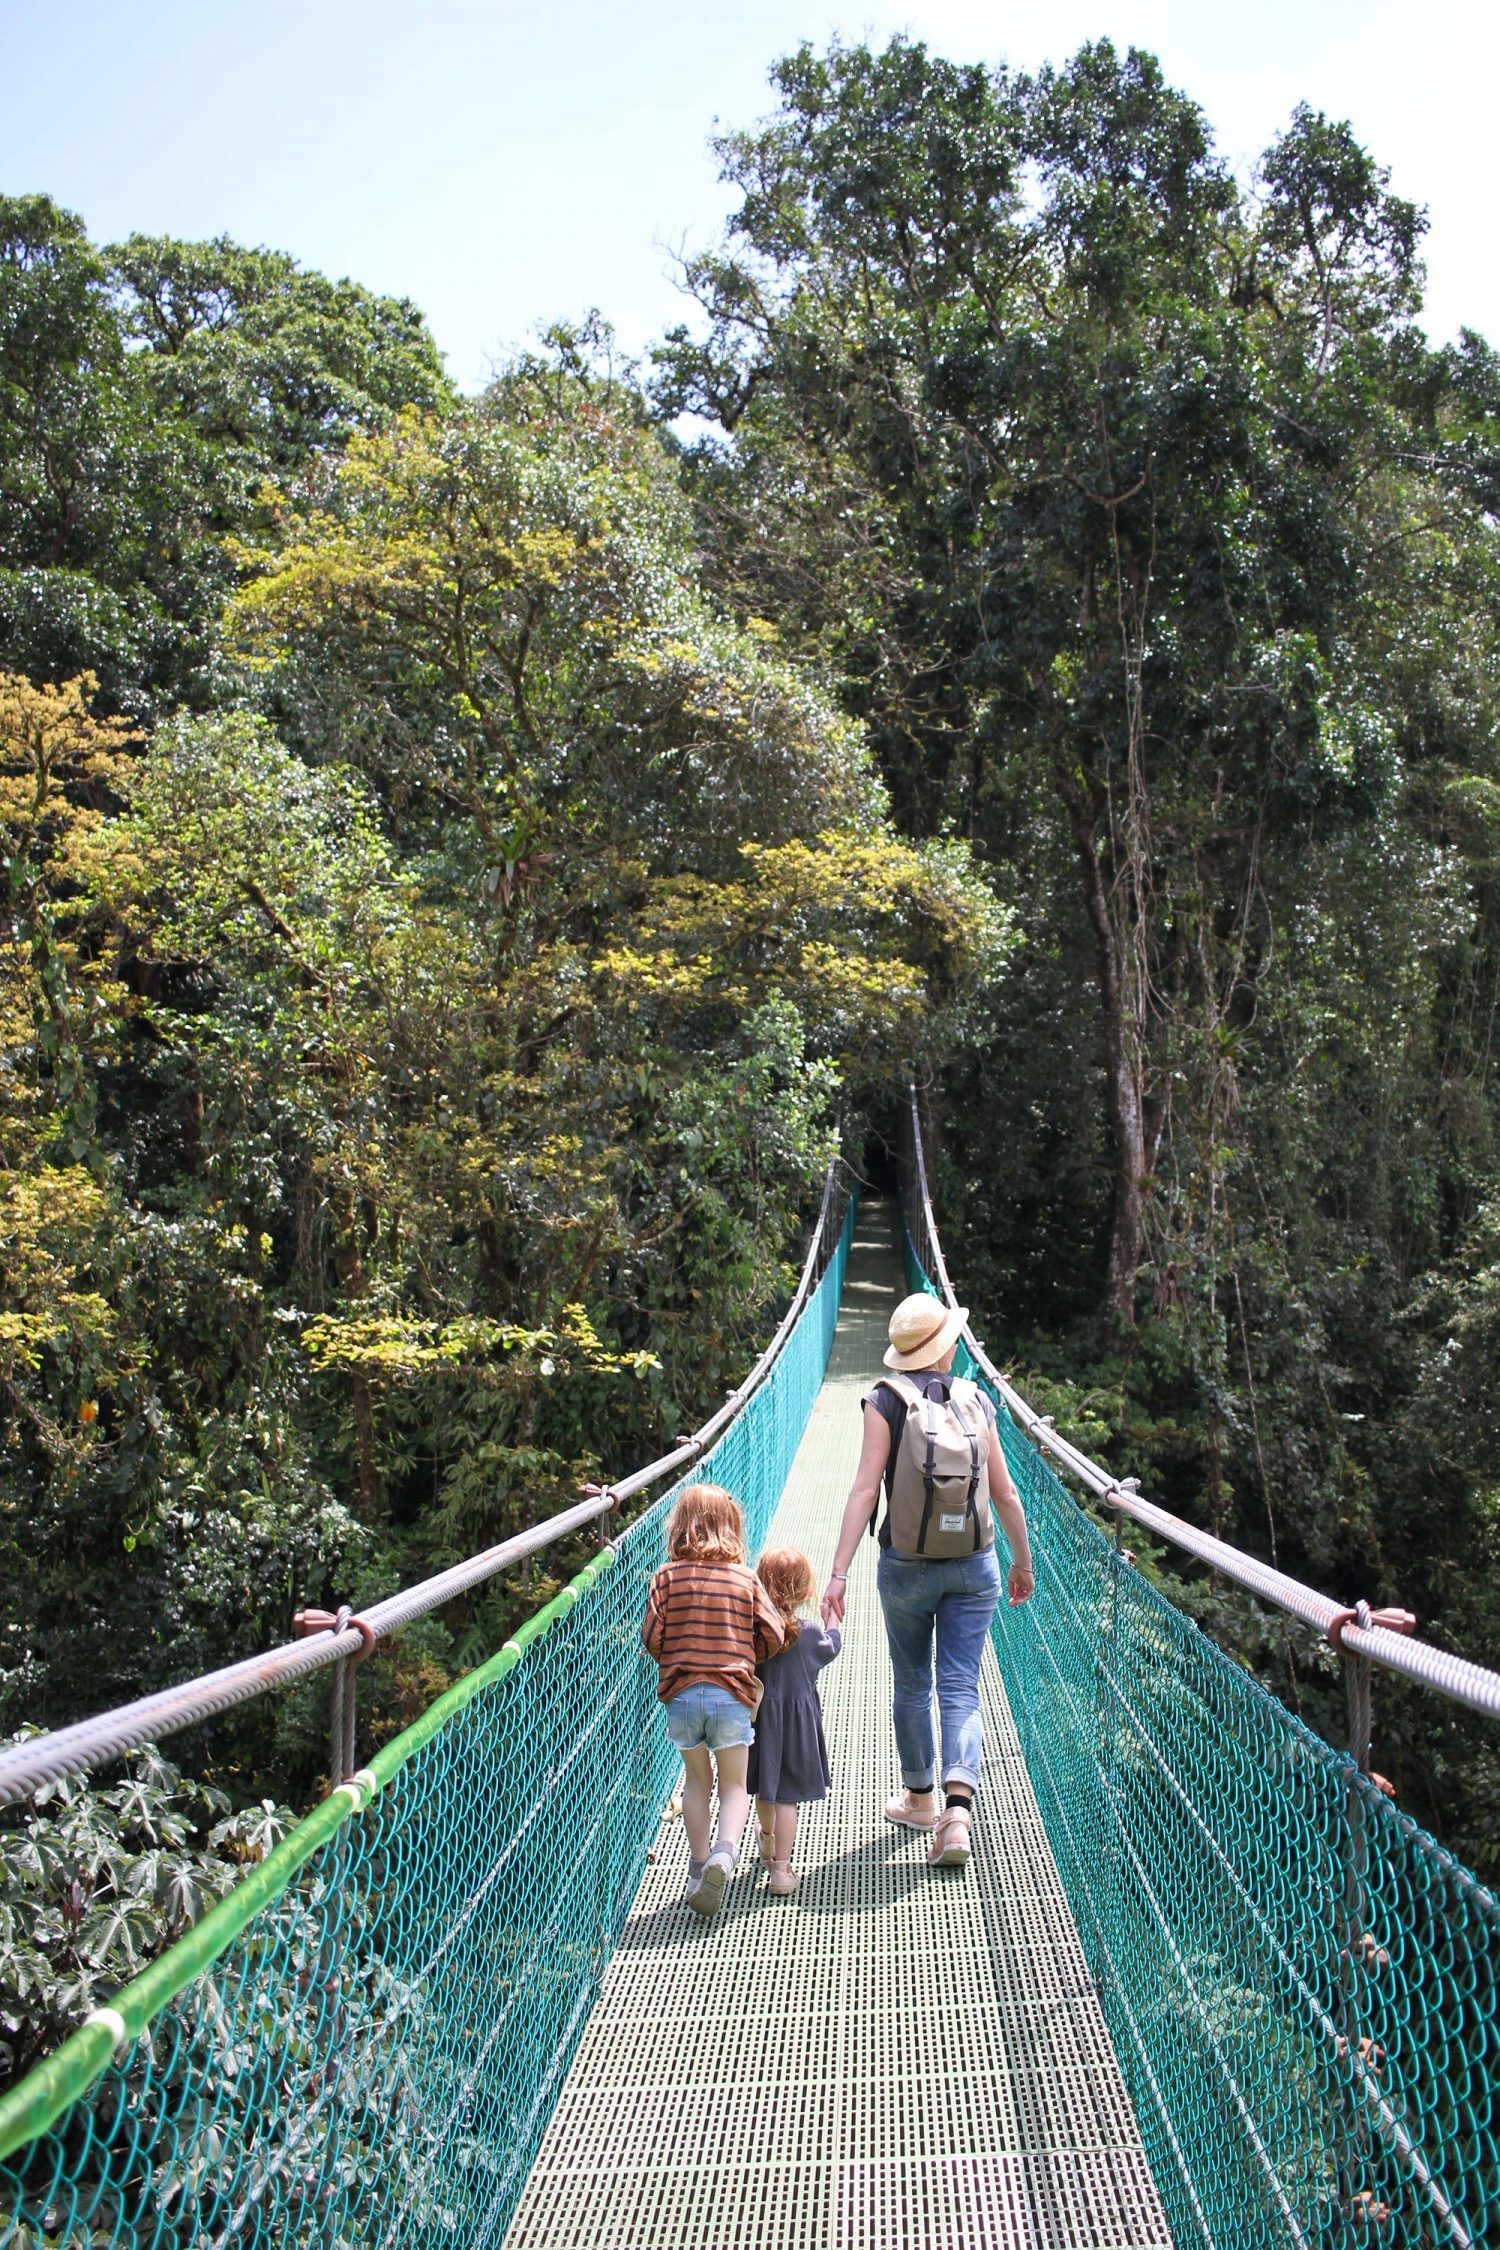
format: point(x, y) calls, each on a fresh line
point(1202, 1984)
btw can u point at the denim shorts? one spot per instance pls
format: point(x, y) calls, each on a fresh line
point(710, 1718)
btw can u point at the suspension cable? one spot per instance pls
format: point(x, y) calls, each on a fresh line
point(92, 1742)
point(1453, 1676)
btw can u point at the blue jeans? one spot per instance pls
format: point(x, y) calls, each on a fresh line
point(708, 1715)
point(950, 1602)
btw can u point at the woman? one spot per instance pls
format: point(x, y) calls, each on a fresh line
point(934, 1608)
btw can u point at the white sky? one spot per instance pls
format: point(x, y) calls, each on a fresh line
point(510, 162)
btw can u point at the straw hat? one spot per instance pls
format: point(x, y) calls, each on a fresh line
point(921, 1330)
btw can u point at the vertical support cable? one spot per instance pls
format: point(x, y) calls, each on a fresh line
point(1358, 1676)
point(343, 1703)
point(1111, 1820)
point(341, 1711)
point(1360, 1944)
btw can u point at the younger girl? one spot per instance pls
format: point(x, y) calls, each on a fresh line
point(789, 1763)
point(708, 1623)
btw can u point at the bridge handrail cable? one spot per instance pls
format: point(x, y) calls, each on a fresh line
point(1437, 1668)
point(28, 1766)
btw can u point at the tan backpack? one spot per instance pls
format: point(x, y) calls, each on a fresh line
point(940, 1493)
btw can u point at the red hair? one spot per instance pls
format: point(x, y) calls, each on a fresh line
point(706, 1526)
point(787, 1576)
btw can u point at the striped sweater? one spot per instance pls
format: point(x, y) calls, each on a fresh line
point(710, 1622)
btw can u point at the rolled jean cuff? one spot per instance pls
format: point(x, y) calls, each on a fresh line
point(920, 1782)
point(967, 1777)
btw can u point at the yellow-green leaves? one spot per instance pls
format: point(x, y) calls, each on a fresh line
point(402, 1350)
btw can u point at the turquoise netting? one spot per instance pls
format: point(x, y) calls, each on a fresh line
point(374, 2059)
point(1303, 1988)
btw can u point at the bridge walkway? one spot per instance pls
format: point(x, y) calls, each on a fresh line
point(890, 2057)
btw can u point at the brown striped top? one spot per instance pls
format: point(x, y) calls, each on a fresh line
point(710, 1622)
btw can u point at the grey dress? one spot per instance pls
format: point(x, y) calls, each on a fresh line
point(789, 1758)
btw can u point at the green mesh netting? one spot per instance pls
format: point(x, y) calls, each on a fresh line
point(1303, 1988)
point(374, 2057)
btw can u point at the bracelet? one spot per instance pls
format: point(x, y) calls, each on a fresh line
point(841, 1575)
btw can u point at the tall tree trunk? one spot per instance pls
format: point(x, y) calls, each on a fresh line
point(349, 1261)
point(1124, 1058)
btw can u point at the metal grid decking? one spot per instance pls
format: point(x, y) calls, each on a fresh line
point(890, 2057)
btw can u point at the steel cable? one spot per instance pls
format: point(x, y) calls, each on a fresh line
point(26, 1766)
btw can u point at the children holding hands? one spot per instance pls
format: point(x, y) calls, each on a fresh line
point(725, 1638)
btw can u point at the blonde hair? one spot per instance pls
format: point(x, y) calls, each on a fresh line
point(787, 1576)
point(706, 1526)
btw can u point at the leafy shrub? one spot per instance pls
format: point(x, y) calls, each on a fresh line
point(95, 1882)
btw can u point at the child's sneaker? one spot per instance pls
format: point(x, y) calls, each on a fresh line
point(907, 1813)
point(784, 1879)
point(709, 1896)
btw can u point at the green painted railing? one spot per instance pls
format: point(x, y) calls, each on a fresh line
point(362, 2044)
point(1303, 1988)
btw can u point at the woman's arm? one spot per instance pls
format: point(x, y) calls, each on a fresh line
point(863, 1500)
point(1022, 1581)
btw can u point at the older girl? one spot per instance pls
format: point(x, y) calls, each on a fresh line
point(708, 1623)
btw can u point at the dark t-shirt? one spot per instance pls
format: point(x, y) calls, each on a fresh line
point(895, 1410)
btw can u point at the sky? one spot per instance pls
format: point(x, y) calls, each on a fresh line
point(507, 163)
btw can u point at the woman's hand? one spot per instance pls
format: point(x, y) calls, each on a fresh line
point(834, 1597)
point(1021, 1583)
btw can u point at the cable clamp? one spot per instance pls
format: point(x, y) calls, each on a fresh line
point(113, 2022)
point(1389, 1620)
point(605, 1492)
point(309, 1621)
point(366, 1631)
point(359, 1788)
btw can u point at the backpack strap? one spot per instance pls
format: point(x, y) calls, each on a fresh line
point(900, 1387)
point(893, 1387)
point(929, 1490)
point(957, 1402)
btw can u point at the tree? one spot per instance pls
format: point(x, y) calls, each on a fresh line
point(1138, 521)
point(444, 1119)
point(146, 393)
point(1104, 448)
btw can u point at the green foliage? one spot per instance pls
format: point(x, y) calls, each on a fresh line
point(424, 1034)
point(412, 1098)
point(1135, 517)
point(95, 1882)
point(146, 392)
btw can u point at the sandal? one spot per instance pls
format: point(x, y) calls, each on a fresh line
point(784, 1878)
